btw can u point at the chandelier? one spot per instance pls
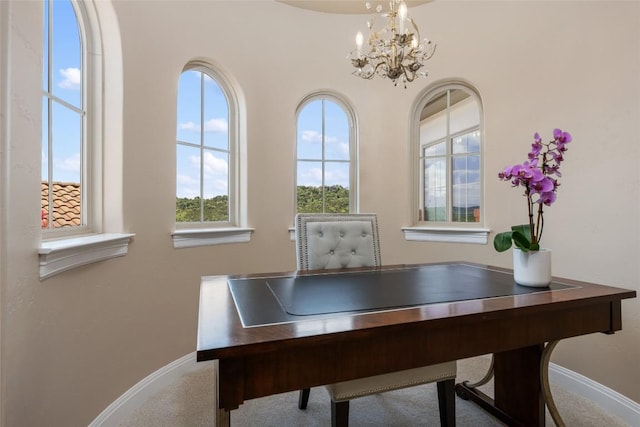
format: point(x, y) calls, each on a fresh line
point(395, 49)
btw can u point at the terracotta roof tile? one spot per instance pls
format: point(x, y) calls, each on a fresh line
point(66, 204)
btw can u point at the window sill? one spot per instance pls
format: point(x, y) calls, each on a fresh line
point(451, 235)
point(61, 255)
point(210, 236)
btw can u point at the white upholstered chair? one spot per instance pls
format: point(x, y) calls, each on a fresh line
point(351, 240)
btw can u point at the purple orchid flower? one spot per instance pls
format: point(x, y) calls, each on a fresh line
point(538, 174)
point(547, 198)
point(536, 147)
point(545, 185)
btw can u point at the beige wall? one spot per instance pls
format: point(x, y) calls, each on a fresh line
point(75, 342)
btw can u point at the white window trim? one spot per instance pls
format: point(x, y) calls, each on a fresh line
point(421, 231)
point(195, 234)
point(210, 236)
point(354, 175)
point(62, 250)
point(61, 255)
point(92, 103)
point(447, 234)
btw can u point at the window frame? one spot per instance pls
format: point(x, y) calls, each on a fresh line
point(100, 238)
point(441, 231)
point(206, 233)
point(91, 136)
point(352, 119)
point(209, 71)
point(449, 157)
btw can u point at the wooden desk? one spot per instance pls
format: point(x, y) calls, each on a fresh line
point(276, 358)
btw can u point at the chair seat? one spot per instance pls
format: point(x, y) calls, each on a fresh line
point(352, 389)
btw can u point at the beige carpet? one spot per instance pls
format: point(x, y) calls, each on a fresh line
point(189, 403)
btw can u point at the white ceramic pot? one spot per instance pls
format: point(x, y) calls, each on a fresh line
point(532, 268)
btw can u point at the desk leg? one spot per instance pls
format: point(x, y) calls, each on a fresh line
point(222, 416)
point(518, 392)
point(517, 384)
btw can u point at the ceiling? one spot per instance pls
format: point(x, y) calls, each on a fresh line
point(345, 6)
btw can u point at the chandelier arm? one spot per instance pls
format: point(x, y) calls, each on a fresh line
point(372, 73)
point(375, 70)
point(406, 75)
point(415, 27)
point(431, 53)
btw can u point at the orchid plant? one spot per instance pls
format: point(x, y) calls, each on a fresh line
point(539, 178)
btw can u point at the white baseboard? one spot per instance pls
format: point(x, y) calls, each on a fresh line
point(609, 400)
point(124, 406)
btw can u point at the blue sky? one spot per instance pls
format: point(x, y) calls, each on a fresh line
point(216, 133)
point(213, 112)
point(336, 144)
point(67, 129)
point(66, 78)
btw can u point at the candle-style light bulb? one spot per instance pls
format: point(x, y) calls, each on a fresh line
point(402, 15)
point(359, 40)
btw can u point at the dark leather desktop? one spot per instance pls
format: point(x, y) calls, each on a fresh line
point(302, 296)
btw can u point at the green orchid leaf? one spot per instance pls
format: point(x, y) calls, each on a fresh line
point(524, 229)
point(520, 236)
point(502, 241)
point(521, 241)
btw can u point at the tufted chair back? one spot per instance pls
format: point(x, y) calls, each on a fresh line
point(337, 241)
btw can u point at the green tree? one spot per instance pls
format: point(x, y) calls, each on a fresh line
point(215, 209)
point(309, 199)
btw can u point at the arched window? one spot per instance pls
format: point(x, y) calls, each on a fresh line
point(447, 154)
point(79, 110)
point(326, 167)
point(68, 138)
point(206, 152)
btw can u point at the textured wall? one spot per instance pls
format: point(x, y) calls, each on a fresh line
point(75, 342)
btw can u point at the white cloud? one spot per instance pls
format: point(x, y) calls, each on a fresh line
point(189, 126)
point(187, 180)
point(195, 161)
point(215, 187)
point(311, 136)
point(339, 150)
point(216, 125)
point(214, 165)
point(71, 78)
point(336, 177)
point(310, 176)
point(313, 177)
point(466, 194)
point(315, 136)
point(212, 125)
point(188, 186)
point(69, 164)
point(215, 177)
